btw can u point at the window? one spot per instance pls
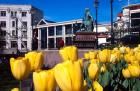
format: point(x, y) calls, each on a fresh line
point(68, 40)
point(13, 23)
point(24, 44)
point(135, 15)
point(57, 41)
point(43, 38)
point(24, 33)
point(51, 31)
point(13, 44)
point(13, 13)
point(3, 44)
point(3, 24)
point(58, 30)
point(68, 29)
point(51, 42)
point(25, 24)
point(3, 33)
point(24, 14)
point(3, 13)
point(76, 27)
point(13, 33)
point(135, 22)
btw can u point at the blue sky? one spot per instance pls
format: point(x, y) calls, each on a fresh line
point(62, 10)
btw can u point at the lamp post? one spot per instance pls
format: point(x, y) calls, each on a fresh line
point(32, 25)
point(96, 8)
point(111, 32)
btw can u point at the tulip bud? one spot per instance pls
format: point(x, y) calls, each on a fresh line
point(122, 49)
point(86, 56)
point(36, 60)
point(103, 68)
point(20, 68)
point(134, 70)
point(44, 80)
point(15, 89)
point(137, 55)
point(126, 73)
point(104, 55)
point(113, 58)
point(97, 86)
point(93, 54)
point(93, 70)
point(138, 45)
point(68, 76)
point(69, 53)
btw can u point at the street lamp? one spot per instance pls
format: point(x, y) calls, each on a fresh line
point(111, 32)
point(33, 21)
point(96, 8)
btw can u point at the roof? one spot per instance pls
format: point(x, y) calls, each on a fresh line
point(132, 5)
point(50, 21)
point(120, 15)
point(43, 22)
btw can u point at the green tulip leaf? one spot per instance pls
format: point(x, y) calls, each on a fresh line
point(125, 83)
point(105, 79)
point(136, 86)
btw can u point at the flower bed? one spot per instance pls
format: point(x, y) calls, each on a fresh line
point(108, 70)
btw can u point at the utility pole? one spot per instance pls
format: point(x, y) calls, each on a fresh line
point(129, 17)
point(96, 3)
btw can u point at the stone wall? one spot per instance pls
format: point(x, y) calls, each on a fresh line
point(52, 57)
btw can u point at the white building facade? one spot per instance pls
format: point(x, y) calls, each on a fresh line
point(131, 15)
point(16, 25)
point(49, 33)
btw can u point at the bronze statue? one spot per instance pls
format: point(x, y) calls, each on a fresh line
point(88, 23)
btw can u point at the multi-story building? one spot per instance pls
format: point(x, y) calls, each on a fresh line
point(131, 15)
point(47, 33)
point(16, 25)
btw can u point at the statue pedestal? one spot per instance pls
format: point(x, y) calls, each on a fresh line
point(85, 39)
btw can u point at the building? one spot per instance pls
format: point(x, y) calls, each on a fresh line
point(47, 33)
point(131, 15)
point(16, 25)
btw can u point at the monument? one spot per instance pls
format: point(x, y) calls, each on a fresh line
point(85, 38)
point(88, 23)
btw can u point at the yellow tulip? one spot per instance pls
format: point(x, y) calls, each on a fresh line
point(138, 45)
point(129, 57)
point(132, 58)
point(136, 50)
point(93, 70)
point(122, 49)
point(137, 56)
point(68, 76)
point(97, 86)
point(104, 55)
point(113, 58)
point(94, 60)
point(15, 89)
point(103, 68)
point(36, 60)
point(86, 56)
point(69, 53)
point(126, 73)
point(20, 68)
point(127, 49)
point(92, 54)
point(44, 80)
point(134, 70)
point(85, 88)
point(81, 62)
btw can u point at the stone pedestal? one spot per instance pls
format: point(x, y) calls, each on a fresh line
point(85, 39)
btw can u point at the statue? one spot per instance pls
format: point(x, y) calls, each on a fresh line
point(88, 23)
